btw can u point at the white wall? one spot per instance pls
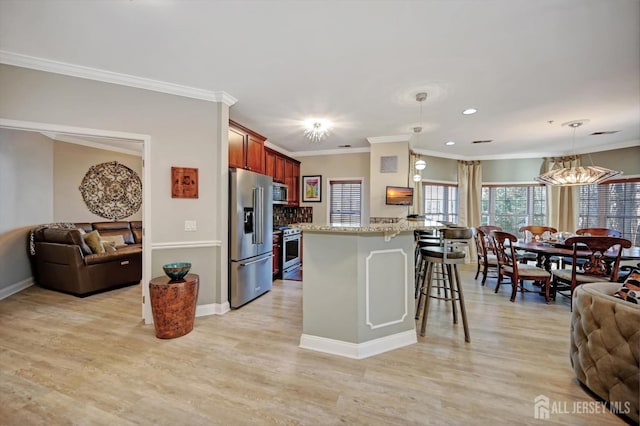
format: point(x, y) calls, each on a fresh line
point(26, 199)
point(184, 132)
point(71, 163)
point(379, 180)
point(336, 166)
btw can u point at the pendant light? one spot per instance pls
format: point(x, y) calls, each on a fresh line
point(573, 176)
point(419, 165)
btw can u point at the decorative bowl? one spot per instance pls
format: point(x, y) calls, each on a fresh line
point(176, 271)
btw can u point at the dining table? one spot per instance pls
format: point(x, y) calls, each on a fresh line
point(546, 249)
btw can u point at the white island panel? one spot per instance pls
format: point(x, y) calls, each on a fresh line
point(357, 291)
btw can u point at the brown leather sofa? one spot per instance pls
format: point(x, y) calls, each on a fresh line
point(63, 261)
point(605, 346)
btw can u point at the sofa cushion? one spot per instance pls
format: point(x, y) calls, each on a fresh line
point(630, 289)
point(93, 240)
point(605, 344)
point(136, 228)
point(115, 228)
point(117, 240)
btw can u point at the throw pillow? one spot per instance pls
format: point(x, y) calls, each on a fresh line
point(109, 246)
point(93, 241)
point(630, 290)
point(117, 240)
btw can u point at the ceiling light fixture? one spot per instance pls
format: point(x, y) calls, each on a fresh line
point(316, 129)
point(420, 165)
point(572, 176)
point(450, 143)
point(469, 111)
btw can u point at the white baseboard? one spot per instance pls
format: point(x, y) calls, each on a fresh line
point(358, 350)
point(15, 288)
point(212, 309)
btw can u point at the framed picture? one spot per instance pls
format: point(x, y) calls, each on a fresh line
point(312, 189)
point(184, 182)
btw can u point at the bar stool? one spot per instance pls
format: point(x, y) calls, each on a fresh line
point(449, 255)
point(420, 263)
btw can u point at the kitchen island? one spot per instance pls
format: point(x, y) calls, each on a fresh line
point(358, 295)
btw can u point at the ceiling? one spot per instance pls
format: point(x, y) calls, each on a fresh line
point(527, 66)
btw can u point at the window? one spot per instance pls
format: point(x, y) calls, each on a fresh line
point(440, 201)
point(614, 205)
point(511, 207)
point(345, 202)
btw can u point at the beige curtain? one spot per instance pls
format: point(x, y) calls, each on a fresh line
point(563, 202)
point(469, 198)
point(418, 202)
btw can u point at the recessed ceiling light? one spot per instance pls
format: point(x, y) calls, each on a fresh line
point(469, 111)
point(450, 143)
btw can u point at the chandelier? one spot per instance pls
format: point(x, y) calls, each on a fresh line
point(316, 129)
point(580, 175)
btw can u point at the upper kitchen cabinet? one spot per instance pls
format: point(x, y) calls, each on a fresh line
point(274, 165)
point(246, 148)
point(292, 179)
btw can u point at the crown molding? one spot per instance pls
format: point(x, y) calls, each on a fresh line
point(61, 137)
point(339, 151)
point(388, 139)
point(41, 64)
point(279, 149)
point(526, 155)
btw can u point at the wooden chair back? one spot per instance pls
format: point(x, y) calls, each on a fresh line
point(536, 231)
point(505, 252)
point(599, 262)
point(599, 232)
point(487, 229)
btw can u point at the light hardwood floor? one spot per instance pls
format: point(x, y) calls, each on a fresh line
point(65, 360)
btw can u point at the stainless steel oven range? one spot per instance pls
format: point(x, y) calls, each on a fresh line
point(290, 251)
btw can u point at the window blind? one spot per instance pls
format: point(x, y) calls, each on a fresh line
point(345, 202)
point(614, 205)
point(440, 201)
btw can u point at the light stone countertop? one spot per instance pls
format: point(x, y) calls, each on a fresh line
point(386, 228)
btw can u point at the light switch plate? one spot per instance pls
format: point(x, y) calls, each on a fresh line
point(190, 225)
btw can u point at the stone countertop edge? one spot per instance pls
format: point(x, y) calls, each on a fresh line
point(404, 226)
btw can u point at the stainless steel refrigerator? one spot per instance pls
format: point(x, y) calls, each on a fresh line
point(250, 236)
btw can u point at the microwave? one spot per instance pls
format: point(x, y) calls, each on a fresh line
point(280, 193)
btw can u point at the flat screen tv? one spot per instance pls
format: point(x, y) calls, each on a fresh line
point(399, 196)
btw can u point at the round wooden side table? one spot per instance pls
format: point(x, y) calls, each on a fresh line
point(173, 305)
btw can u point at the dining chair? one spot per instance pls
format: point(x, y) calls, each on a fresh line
point(486, 257)
point(599, 232)
point(516, 271)
point(602, 263)
point(487, 232)
point(536, 232)
point(594, 232)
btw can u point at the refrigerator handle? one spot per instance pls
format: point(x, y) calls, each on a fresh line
point(256, 212)
point(260, 208)
point(257, 217)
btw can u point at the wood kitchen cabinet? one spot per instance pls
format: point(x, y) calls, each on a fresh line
point(292, 179)
point(246, 148)
point(274, 165)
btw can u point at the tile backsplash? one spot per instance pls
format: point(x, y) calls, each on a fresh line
point(287, 215)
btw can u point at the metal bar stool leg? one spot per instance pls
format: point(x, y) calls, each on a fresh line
point(452, 294)
point(463, 311)
point(425, 313)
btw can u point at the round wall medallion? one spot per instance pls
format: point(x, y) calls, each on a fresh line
point(112, 190)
